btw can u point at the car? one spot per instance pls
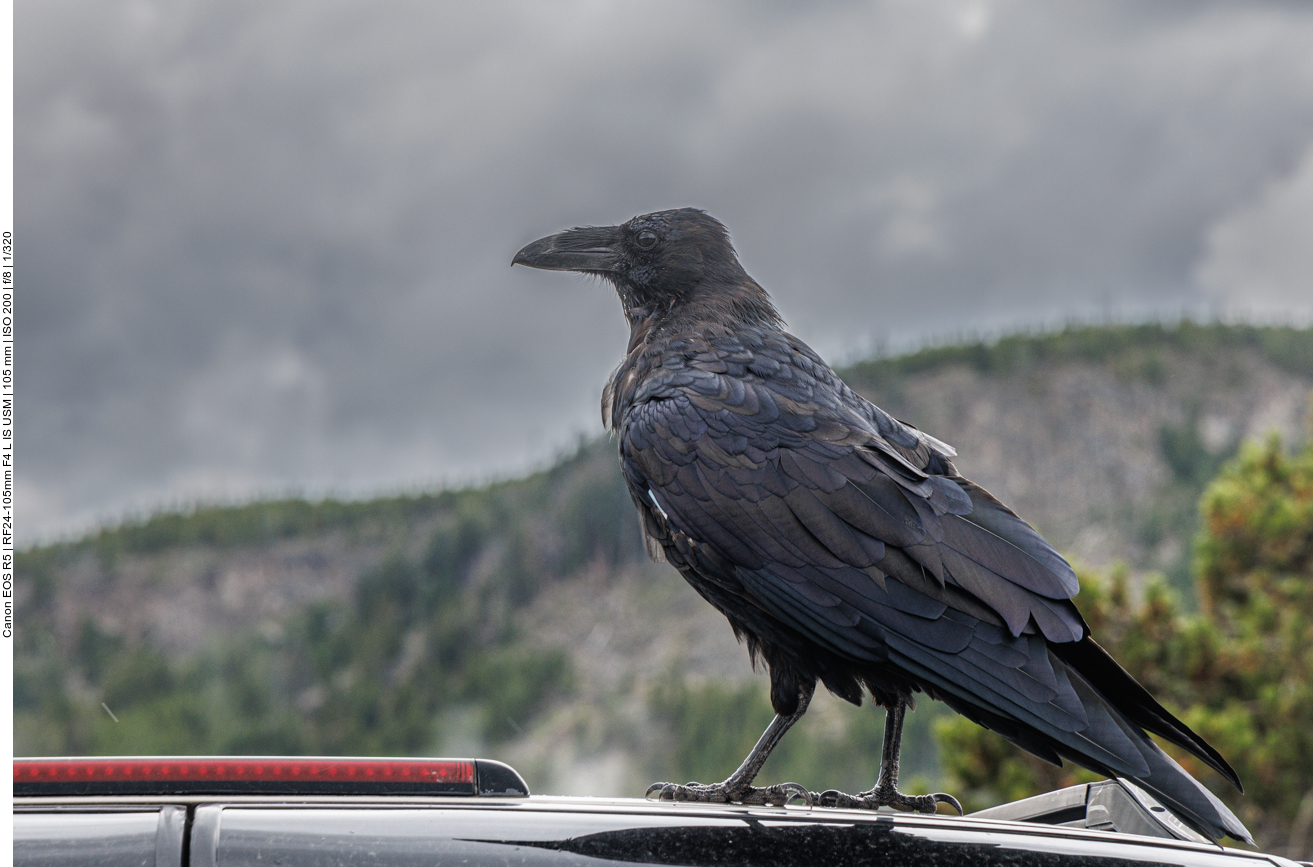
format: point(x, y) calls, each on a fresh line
point(295, 812)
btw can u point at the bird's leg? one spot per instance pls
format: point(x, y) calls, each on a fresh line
point(738, 788)
point(885, 793)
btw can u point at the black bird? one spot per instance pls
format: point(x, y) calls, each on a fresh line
point(841, 543)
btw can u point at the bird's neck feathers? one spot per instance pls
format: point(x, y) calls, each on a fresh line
point(720, 306)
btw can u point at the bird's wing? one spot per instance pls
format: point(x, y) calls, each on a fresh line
point(785, 471)
point(864, 553)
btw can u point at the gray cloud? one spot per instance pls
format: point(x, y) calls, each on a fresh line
point(266, 245)
point(1259, 260)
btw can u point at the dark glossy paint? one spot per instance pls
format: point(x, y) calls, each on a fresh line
point(293, 836)
point(385, 833)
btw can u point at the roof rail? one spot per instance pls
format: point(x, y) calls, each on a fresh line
point(1110, 805)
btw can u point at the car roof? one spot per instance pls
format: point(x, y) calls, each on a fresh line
point(578, 816)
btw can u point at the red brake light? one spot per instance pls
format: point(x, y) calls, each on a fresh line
point(121, 776)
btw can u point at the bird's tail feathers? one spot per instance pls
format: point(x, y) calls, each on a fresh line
point(1187, 797)
point(1104, 673)
point(1111, 743)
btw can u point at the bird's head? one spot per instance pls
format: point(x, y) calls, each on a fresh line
point(658, 263)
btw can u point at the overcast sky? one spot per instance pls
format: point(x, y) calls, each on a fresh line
point(265, 245)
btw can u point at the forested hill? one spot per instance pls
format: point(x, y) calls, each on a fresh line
point(521, 619)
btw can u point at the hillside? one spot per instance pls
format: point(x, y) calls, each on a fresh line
point(521, 619)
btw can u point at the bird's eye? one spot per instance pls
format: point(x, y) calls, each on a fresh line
point(646, 239)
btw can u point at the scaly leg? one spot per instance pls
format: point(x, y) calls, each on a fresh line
point(738, 788)
point(885, 793)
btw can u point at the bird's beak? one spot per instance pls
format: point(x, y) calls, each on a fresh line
point(596, 248)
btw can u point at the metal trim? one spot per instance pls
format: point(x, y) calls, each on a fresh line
point(205, 836)
point(169, 835)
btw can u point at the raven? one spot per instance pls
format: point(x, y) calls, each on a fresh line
point(841, 543)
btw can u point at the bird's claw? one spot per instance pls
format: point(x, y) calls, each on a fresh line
point(890, 797)
point(778, 795)
point(719, 793)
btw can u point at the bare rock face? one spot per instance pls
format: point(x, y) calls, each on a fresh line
point(180, 598)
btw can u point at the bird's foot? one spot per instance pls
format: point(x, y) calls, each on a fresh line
point(725, 793)
point(886, 796)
